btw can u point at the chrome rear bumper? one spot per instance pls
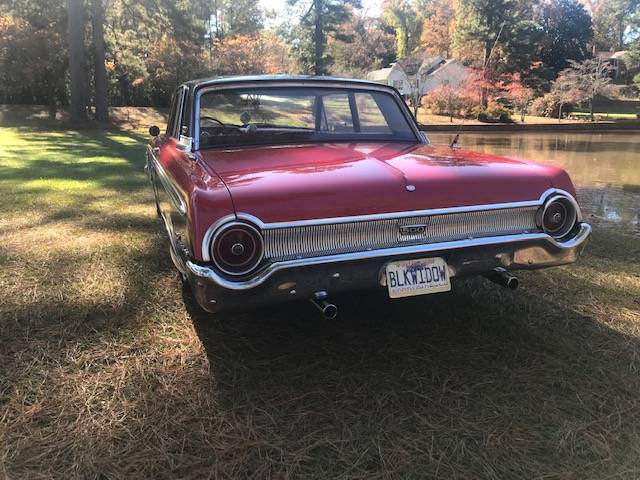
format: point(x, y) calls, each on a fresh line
point(301, 278)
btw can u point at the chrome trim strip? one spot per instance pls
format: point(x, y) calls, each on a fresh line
point(261, 277)
point(413, 213)
point(301, 83)
point(167, 183)
point(336, 238)
point(180, 113)
point(387, 216)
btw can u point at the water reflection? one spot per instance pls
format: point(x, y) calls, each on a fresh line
point(604, 167)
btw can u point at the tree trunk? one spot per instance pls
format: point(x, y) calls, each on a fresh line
point(53, 107)
point(75, 12)
point(100, 72)
point(123, 80)
point(405, 36)
point(318, 39)
point(560, 112)
point(591, 108)
point(621, 33)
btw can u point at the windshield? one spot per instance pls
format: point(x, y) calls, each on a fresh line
point(267, 115)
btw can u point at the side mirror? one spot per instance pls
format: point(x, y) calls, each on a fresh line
point(154, 131)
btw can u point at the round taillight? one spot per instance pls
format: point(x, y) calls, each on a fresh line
point(237, 248)
point(558, 216)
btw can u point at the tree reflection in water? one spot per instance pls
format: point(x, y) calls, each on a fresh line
point(605, 167)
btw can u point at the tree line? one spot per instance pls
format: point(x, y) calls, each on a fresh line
point(92, 53)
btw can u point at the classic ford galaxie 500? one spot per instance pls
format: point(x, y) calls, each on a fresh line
point(279, 188)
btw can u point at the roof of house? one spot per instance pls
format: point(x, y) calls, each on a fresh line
point(378, 75)
point(605, 55)
point(430, 64)
point(446, 65)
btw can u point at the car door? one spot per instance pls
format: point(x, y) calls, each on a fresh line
point(169, 200)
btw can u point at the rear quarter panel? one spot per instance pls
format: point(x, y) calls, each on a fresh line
point(203, 195)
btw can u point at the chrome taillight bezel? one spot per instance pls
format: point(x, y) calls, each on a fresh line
point(570, 207)
point(224, 265)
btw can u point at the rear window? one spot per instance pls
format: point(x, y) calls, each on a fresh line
point(276, 114)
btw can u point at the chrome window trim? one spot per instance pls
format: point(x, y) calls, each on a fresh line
point(206, 241)
point(420, 138)
point(263, 276)
point(167, 183)
point(176, 132)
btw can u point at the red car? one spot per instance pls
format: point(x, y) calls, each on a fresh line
point(274, 188)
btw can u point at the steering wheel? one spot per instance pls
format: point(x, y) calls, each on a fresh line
point(205, 117)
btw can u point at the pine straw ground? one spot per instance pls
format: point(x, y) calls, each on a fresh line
point(104, 373)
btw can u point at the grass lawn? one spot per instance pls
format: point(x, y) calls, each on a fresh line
point(105, 373)
point(605, 115)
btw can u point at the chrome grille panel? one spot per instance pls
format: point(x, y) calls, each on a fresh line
point(285, 243)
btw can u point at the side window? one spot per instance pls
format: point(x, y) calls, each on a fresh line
point(172, 115)
point(371, 118)
point(337, 114)
point(175, 114)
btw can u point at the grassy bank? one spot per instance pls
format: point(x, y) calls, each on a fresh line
point(105, 373)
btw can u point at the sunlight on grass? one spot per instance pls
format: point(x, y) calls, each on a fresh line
point(65, 185)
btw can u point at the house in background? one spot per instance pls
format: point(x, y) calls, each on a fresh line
point(615, 62)
point(393, 76)
point(410, 75)
point(450, 72)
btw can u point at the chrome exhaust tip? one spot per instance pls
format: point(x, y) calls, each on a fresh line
point(328, 310)
point(503, 278)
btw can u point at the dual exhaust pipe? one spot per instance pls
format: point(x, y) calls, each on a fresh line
point(503, 278)
point(330, 311)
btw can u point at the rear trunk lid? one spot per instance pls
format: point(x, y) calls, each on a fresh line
point(303, 182)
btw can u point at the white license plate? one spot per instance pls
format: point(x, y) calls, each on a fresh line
point(417, 277)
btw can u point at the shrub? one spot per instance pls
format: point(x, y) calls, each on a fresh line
point(549, 106)
point(448, 101)
point(494, 112)
point(442, 100)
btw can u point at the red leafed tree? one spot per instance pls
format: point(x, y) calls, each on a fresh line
point(518, 93)
point(453, 101)
point(481, 86)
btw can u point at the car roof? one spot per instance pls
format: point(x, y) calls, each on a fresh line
point(221, 80)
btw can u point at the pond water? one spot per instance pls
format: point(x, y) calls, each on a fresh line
point(605, 168)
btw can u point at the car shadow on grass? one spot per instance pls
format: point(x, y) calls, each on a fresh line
point(478, 380)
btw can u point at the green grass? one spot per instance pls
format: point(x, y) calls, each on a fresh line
point(105, 373)
point(605, 115)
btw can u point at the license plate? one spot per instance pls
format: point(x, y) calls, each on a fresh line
point(417, 277)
